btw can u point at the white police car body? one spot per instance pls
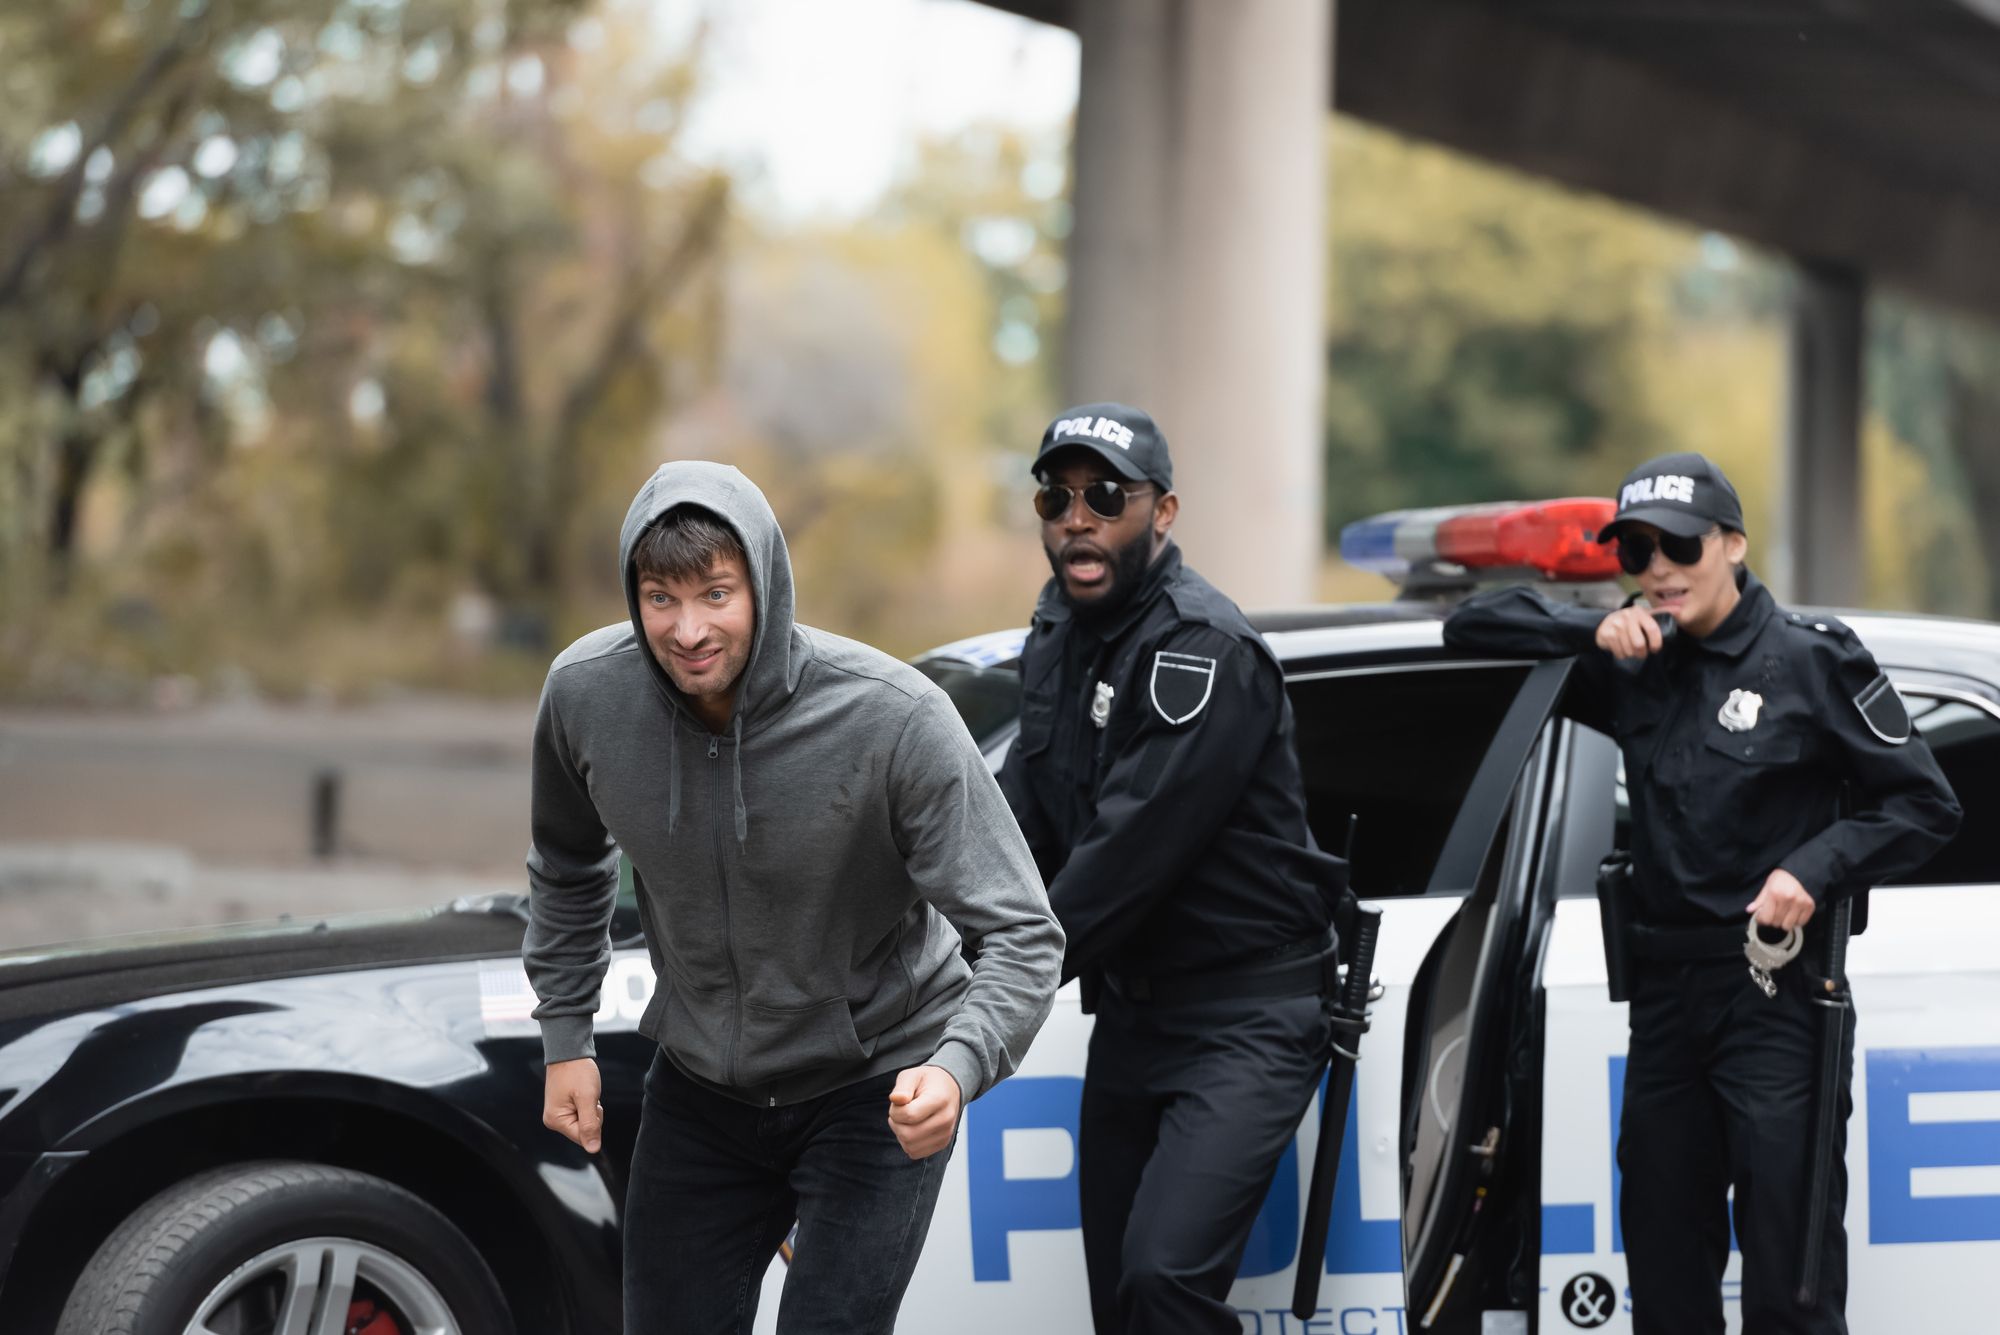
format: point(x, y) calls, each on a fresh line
point(1478, 1186)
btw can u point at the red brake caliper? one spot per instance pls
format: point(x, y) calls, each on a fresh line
point(365, 1318)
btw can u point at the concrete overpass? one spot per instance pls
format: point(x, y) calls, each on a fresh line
point(1860, 137)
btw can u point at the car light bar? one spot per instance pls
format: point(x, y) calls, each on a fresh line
point(1556, 538)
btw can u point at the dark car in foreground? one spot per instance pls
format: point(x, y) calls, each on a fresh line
point(334, 1126)
point(225, 1127)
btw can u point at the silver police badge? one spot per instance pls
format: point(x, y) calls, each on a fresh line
point(1100, 704)
point(1739, 711)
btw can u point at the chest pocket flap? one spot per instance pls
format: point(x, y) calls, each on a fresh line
point(1038, 716)
point(1755, 747)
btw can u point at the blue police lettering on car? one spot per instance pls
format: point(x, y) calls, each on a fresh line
point(1898, 1145)
point(1182, 684)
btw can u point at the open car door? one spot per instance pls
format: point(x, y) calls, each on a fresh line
point(1472, 1046)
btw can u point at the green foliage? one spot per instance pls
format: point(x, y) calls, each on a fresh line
point(1487, 333)
point(334, 339)
point(1935, 380)
point(998, 195)
point(346, 307)
point(1492, 337)
point(866, 384)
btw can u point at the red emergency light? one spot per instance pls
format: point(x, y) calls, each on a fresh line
point(1556, 538)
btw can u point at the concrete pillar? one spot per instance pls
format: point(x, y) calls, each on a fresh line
point(1198, 265)
point(1120, 241)
point(1819, 556)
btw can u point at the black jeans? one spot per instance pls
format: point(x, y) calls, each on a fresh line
point(1719, 1091)
point(716, 1184)
point(1186, 1112)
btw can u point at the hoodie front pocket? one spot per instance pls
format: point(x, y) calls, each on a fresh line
point(695, 1024)
point(787, 1041)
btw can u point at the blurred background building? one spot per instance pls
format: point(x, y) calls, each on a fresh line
point(335, 338)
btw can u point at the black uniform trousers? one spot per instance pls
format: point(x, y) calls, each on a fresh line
point(1719, 1091)
point(1187, 1109)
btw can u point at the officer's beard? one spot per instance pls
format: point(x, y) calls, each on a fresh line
point(1127, 568)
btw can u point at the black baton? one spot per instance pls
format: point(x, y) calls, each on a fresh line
point(1350, 1022)
point(1835, 1004)
point(1614, 917)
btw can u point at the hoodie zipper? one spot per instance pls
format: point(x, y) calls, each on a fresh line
point(728, 933)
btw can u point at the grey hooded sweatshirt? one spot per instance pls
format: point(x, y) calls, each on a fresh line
point(800, 876)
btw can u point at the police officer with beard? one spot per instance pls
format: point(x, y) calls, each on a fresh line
point(1155, 779)
point(1738, 733)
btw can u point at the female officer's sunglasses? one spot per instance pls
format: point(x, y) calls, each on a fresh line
point(1105, 498)
point(1635, 550)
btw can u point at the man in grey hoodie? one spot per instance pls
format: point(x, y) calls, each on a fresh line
point(808, 821)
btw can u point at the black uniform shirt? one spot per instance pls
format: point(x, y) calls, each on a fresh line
point(1736, 747)
point(1156, 782)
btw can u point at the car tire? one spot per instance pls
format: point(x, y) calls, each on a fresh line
point(243, 1225)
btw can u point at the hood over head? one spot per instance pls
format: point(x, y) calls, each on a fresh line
point(775, 662)
point(777, 651)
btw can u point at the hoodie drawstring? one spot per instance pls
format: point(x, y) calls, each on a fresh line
point(742, 812)
point(673, 776)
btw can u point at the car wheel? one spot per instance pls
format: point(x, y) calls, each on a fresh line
point(285, 1249)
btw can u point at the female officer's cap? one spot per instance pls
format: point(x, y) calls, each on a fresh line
point(1676, 493)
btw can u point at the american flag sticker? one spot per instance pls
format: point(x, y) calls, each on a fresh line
point(506, 1000)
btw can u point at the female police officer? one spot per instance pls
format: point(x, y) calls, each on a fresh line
point(1739, 733)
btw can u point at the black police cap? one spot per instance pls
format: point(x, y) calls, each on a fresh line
point(1683, 494)
point(1117, 433)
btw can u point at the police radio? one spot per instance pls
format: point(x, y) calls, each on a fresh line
point(1669, 628)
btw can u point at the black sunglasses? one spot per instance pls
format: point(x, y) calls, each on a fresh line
point(1635, 550)
point(1105, 498)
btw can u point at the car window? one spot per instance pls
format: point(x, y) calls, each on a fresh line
point(1966, 741)
point(1396, 748)
point(987, 698)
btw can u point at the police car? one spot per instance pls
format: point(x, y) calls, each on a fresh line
point(339, 1121)
point(1477, 1188)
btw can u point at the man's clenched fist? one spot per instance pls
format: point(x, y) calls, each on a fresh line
point(570, 1094)
point(923, 1110)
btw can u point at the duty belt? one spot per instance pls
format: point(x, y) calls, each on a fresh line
point(1315, 974)
point(1697, 944)
point(1686, 945)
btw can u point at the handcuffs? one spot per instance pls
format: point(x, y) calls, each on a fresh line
point(1766, 957)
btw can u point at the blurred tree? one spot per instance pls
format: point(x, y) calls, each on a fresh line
point(362, 299)
point(1001, 194)
point(323, 330)
point(1934, 378)
point(1487, 332)
point(885, 381)
point(1494, 337)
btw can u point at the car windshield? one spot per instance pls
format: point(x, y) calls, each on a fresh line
point(987, 698)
